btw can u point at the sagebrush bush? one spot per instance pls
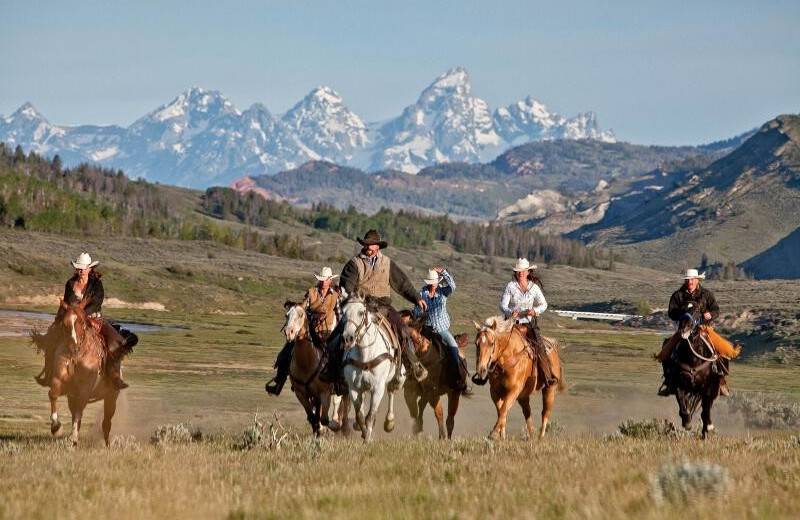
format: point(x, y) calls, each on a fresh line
point(182, 433)
point(648, 429)
point(762, 411)
point(680, 483)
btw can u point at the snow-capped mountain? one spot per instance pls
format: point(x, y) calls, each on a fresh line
point(200, 138)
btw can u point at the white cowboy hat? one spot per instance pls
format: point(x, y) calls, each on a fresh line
point(325, 274)
point(433, 277)
point(692, 274)
point(523, 265)
point(84, 261)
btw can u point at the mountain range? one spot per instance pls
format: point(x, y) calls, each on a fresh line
point(201, 139)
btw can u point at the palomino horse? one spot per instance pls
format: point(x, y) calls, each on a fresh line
point(77, 368)
point(694, 371)
point(371, 362)
point(434, 355)
point(307, 362)
point(503, 358)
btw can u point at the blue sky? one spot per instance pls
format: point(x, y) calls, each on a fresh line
point(655, 72)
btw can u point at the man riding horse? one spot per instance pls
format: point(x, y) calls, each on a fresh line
point(691, 295)
point(375, 275)
point(323, 306)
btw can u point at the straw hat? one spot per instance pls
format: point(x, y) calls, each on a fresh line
point(692, 274)
point(84, 261)
point(523, 265)
point(325, 274)
point(372, 238)
point(433, 277)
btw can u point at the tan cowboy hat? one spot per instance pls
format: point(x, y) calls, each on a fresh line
point(84, 261)
point(692, 274)
point(325, 274)
point(523, 265)
point(433, 277)
point(372, 238)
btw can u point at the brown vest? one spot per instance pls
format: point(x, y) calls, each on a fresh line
point(374, 281)
point(323, 310)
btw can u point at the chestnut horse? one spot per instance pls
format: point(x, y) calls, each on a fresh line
point(78, 370)
point(504, 358)
point(434, 356)
point(307, 362)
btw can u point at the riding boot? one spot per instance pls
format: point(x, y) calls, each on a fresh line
point(45, 375)
point(723, 388)
point(535, 335)
point(114, 372)
point(284, 359)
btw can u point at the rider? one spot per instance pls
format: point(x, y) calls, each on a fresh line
point(435, 294)
point(374, 274)
point(85, 286)
point(692, 295)
point(323, 307)
point(523, 301)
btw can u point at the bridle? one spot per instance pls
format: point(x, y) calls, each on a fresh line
point(358, 336)
point(483, 334)
point(692, 332)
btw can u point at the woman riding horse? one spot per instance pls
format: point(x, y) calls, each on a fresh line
point(86, 288)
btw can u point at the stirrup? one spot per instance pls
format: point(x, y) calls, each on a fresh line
point(724, 390)
point(273, 387)
point(119, 384)
point(419, 371)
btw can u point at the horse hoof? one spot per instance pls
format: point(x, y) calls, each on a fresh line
point(388, 426)
point(334, 426)
point(417, 428)
point(54, 428)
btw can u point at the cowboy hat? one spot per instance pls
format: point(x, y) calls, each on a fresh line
point(84, 261)
point(692, 273)
point(372, 238)
point(325, 274)
point(523, 265)
point(433, 277)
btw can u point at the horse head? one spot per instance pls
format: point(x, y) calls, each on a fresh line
point(296, 322)
point(357, 320)
point(486, 344)
point(688, 323)
point(73, 322)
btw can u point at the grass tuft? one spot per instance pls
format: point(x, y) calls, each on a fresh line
point(688, 481)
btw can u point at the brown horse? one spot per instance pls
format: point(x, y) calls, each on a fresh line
point(506, 361)
point(307, 362)
point(433, 355)
point(78, 368)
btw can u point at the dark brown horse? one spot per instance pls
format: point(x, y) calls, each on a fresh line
point(695, 371)
point(506, 361)
point(77, 372)
point(308, 359)
point(435, 356)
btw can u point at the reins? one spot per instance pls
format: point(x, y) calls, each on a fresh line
point(360, 333)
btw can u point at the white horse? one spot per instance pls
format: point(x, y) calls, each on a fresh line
point(370, 363)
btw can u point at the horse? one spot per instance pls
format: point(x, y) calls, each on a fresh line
point(434, 356)
point(308, 359)
point(504, 359)
point(371, 363)
point(78, 368)
point(694, 371)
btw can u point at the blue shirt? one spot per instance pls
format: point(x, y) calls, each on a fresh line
point(438, 319)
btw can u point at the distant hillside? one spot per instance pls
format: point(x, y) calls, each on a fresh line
point(479, 191)
point(733, 210)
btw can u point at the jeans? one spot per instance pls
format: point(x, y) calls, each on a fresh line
point(451, 342)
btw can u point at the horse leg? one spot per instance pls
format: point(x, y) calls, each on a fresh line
point(525, 404)
point(708, 426)
point(453, 398)
point(334, 412)
point(410, 397)
point(436, 404)
point(76, 406)
point(419, 419)
point(683, 409)
point(358, 402)
point(548, 399)
point(53, 394)
point(109, 409)
point(388, 424)
point(324, 408)
point(503, 405)
point(344, 414)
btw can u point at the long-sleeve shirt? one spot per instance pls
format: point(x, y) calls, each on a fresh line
point(515, 299)
point(93, 292)
point(438, 318)
point(701, 297)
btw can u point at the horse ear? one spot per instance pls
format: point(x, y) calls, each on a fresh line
point(288, 304)
point(494, 325)
point(477, 325)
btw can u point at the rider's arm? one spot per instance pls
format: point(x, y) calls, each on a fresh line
point(505, 302)
point(448, 289)
point(676, 307)
point(711, 305)
point(401, 284)
point(349, 278)
point(539, 302)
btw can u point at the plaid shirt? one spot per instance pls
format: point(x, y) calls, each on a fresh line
point(515, 299)
point(438, 319)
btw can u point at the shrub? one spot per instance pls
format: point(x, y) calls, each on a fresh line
point(762, 411)
point(649, 429)
point(680, 483)
point(182, 433)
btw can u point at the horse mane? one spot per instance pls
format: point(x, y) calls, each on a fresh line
point(499, 322)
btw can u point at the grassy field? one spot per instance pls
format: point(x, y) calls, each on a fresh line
point(225, 310)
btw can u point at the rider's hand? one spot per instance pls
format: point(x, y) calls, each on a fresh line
point(514, 313)
point(438, 269)
point(531, 313)
point(422, 304)
point(707, 316)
